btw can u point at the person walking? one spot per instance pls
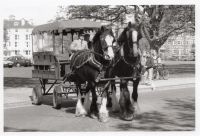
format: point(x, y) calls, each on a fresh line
point(149, 70)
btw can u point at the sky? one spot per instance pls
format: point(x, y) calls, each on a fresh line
point(40, 13)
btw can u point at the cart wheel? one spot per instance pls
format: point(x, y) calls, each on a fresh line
point(165, 74)
point(57, 97)
point(37, 95)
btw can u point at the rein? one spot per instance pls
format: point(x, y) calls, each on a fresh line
point(123, 58)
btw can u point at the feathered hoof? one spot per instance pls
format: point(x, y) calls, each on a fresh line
point(80, 115)
point(115, 110)
point(103, 117)
point(93, 116)
point(127, 117)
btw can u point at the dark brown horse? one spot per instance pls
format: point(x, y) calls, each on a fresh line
point(86, 66)
point(127, 64)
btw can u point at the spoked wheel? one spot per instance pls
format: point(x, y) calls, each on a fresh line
point(37, 95)
point(57, 97)
point(156, 75)
point(165, 74)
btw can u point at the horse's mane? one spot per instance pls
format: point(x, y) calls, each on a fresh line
point(122, 37)
point(96, 36)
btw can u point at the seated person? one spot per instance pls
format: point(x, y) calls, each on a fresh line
point(79, 44)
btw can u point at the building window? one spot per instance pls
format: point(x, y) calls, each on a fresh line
point(16, 52)
point(26, 37)
point(16, 23)
point(179, 42)
point(26, 52)
point(15, 44)
point(26, 44)
point(15, 37)
point(29, 52)
point(176, 52)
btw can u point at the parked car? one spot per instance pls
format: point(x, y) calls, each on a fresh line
point(20, 61)
point(7, 63)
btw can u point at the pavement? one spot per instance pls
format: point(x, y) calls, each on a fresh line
point(20, 96)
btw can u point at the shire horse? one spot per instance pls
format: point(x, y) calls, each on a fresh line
point(127, 63)
point(86, 66)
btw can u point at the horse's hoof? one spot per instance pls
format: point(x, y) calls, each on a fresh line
point(115, 110)
point(128, 117)
point(83, 115)
point(80, 115)
point(93, 116)
point(103, 117)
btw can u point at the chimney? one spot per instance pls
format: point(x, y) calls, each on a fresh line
point(11, 17)
point(22, 22)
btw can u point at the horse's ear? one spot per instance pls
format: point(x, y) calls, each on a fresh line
point(129, 24)
point(103, 28)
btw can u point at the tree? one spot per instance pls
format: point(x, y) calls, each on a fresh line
point(159, 21)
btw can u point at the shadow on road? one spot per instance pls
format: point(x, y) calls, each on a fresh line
point(10, 129)
point(180, 116)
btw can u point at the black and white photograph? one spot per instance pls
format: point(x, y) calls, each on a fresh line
point(99, 67)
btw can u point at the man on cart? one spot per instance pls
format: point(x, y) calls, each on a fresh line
point(79, 44)
point(79, 47)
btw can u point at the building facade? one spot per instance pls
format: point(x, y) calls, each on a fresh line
point(17, 38)
point(178, 47)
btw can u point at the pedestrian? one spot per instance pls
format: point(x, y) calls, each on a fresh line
point(159, 65)
point(149, 70)
point(144, 47)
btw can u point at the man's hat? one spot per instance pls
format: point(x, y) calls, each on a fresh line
point(81, 34)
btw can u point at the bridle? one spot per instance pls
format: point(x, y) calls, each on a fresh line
point(103, 42)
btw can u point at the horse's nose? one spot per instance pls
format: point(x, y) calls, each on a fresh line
point(110, 52)
point(107, 57)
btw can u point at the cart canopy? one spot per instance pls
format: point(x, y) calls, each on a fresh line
point(67, 25)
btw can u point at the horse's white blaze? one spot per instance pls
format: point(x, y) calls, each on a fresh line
point(79, 107)
point(134, 38)
point(130, 18)
point(87, 102)
point(115, 104)
point(103, 108)
point(134, 35)
point(110, 52)
point(109, 41)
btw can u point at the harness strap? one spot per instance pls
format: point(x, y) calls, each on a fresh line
point(94, 63)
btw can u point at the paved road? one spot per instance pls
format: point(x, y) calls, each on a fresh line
point(167, 110)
